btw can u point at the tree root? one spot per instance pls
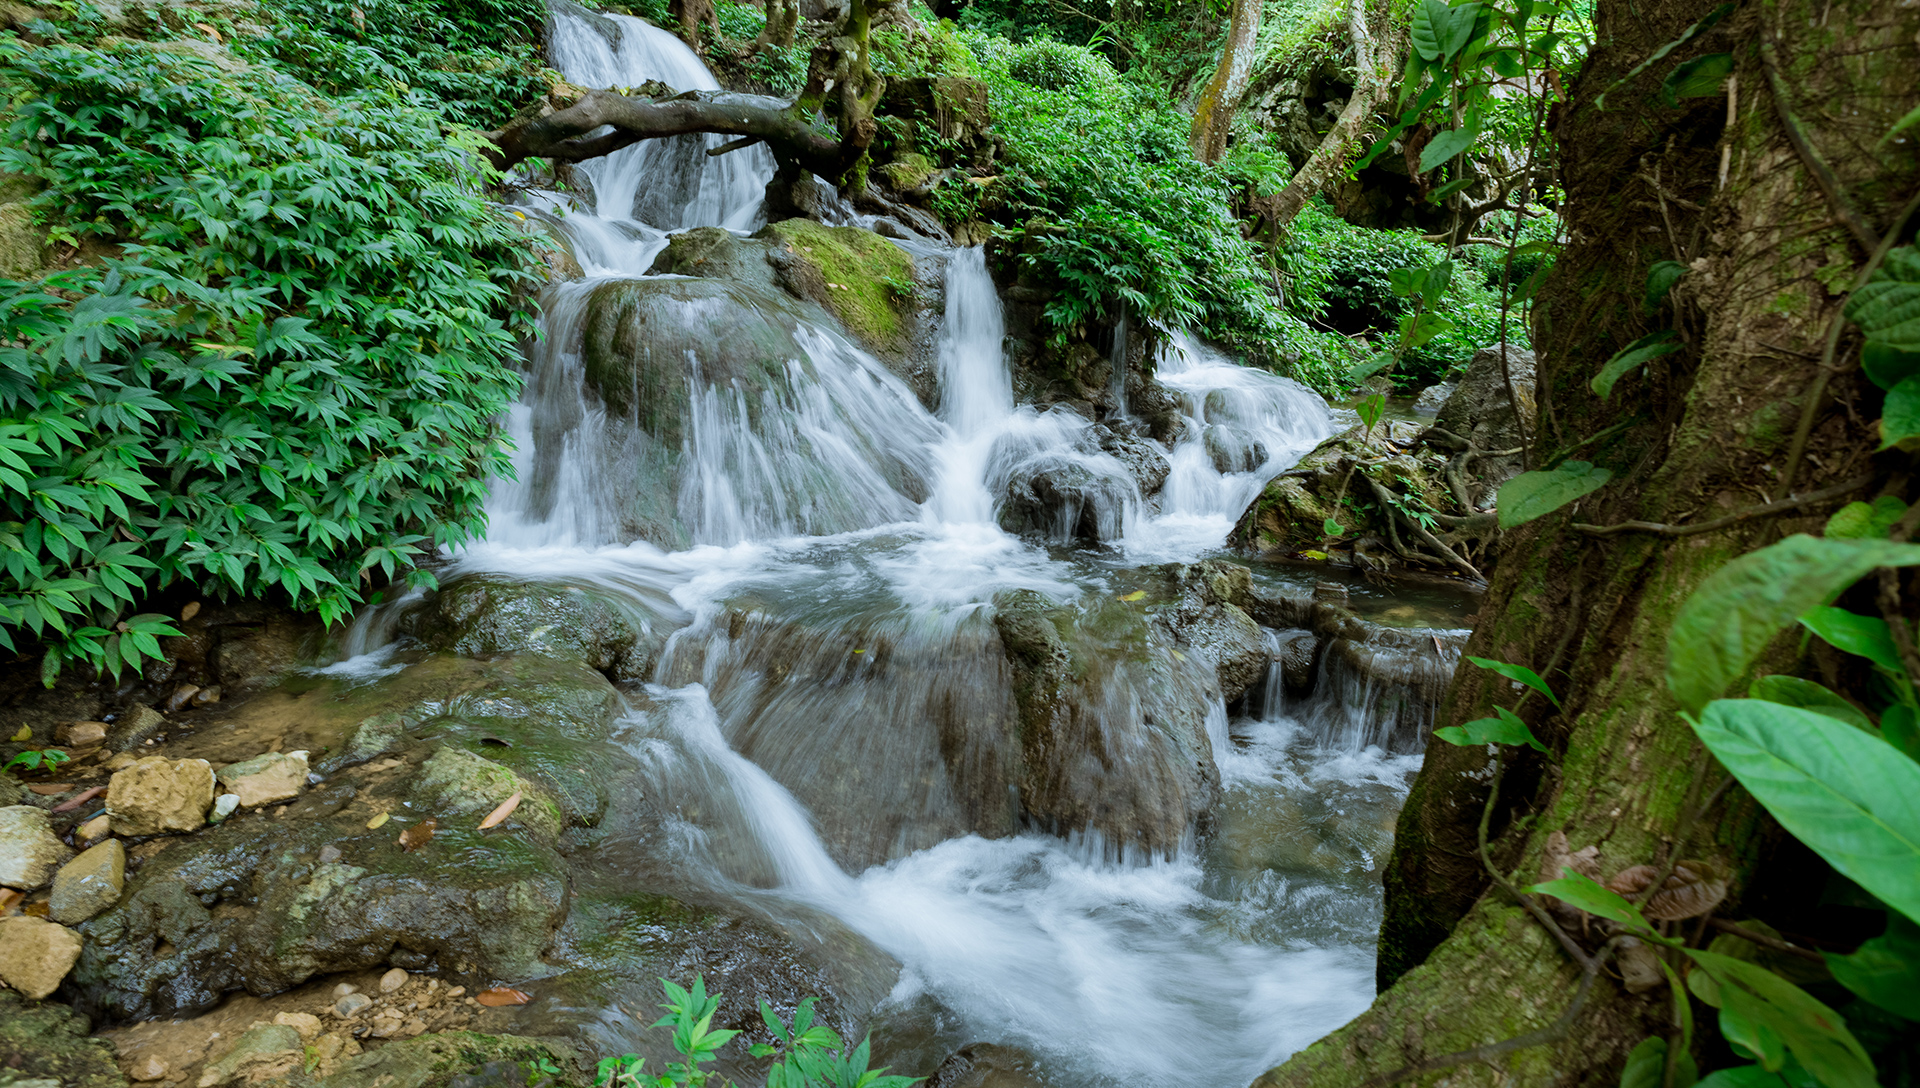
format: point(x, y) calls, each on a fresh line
point(1782, 506)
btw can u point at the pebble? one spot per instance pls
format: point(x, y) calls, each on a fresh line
point(393, 980)
point(351, 1006)
point(150, 1069)
point(344, 989)
point(456, 991)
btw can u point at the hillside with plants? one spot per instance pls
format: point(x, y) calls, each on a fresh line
point(1291, 542)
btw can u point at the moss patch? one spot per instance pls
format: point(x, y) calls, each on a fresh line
point(865, 280)
point(42, 1039)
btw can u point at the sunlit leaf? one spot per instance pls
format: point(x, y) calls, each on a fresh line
point(1532, 495)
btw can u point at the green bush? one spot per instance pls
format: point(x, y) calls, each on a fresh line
point(1057, 66)
point(286, 385)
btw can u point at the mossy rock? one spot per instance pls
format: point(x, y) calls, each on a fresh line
point(23, 245)
point(861, 278)
point(485, 615)
point(907, 171)
point(45, 1041)
point(459, 1059)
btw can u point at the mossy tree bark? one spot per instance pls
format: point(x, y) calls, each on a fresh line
point(1716, 184)
point(1213, 113)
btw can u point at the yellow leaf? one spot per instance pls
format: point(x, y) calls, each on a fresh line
point(1313, 555)
point(1178, 656)
point(24, 735)
point(1134, 596)
point(375, 823)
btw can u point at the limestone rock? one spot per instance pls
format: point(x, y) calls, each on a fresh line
point(393, 980)
point(157, 795)
point(93, 831)
point(35, 954)
point(135, 728)
point(479, 616)
point(263, 1052)
point(29, 850)
point(264, 779)
point(84, 734)
point(1482, 411)
point(151, 1069)
point(89, 883)
point(351, 1005)
point(307, 1024)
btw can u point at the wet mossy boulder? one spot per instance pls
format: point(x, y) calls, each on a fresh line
point(484, 615)
point(45, 1042)
point(861, 278)
point(460, 1059)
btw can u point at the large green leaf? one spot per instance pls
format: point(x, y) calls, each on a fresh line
point(1534, 494)
point(1646, 1065)
point(1847, 795)
point(1900, 415)
point(1697, 78)
point(1741, 1076)
point(1627, 359)
point(1885, 970)
point(1887, 307)
point(1863, 636)
point(1807, 695)
point(1429, 26)
point(1888, 366)
point(1593, 897)
point(1739, 608)
point(1660, 280)
point(1516, 672)
point(1816, 1035)
point(1506, 728)
point(1447, 144)
point(1865, 521)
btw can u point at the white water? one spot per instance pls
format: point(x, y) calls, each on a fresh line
point(832, 486)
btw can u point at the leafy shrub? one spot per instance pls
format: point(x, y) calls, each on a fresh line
point(287, 385)
point(1057, 66)
point(476, 61)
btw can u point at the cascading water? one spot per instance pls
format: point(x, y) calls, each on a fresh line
point(832, 556)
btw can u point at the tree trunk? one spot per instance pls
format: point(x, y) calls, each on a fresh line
point(1707, 430)
point(1213, 114)
point(1373, 62)
point(783, 20)
point(691, 14)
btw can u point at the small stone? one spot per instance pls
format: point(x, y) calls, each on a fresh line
point(150, 1068)
point(121, 762)
point(307, 1024)
point(29, 850)
point(157, 795)
point(457, 991)
point(35, 954)
point(85, 734)
point(351, 1006)
point(385, 1025)
point(264, 779)
point(414, 1026)
point(89, 883)
point(224, 806)
point(93, 831)
point(344, 989)
point(329, 854)
point(393, 980)
point(259, 1052)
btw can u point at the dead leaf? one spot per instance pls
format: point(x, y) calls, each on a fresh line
point(211, 32)
point(50, 789)
point(87, 795)
point(502, 995)
point(37, 910)
point(23, 736)
point(10, 901)
point(1639, 966)
point(420, 834)
point(181, 696)
point(1693, 889)
point(1136, 595)
point(499, 815)
point(191, 610)
point(1558, 859)
point(377, 822)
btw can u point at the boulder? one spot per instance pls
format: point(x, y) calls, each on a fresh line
point(44, 1042)
point(1140, 456)
point(89, 883)
point(157, 795)
point(1433, 397)
point(1066, 497)
point(263, 1053)
point(856, 275)
point(483, 615)
point(29, 850)
point(265, 779)
point(1481, 411)
point(35, 954)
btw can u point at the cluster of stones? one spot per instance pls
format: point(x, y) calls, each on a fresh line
point(146, 796)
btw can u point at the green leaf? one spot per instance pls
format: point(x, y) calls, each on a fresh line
point(1865, 521)
point(1900, 415)
point(1429, 25)
point(1461, 22)
point(1333, 528)
point(1742, 1076)
point(1697, 78)
point(1660, 280)
point(1911, 119)
point(1885, 970)
point(1368, 369)
point(1417, 329)
point(1517, 672)
point(1506, 728)
point(1816, 1035)
point(1594, 898)
point(1752, 1040)
point(1627, 359)
point(1888, 366)
point(1807, 695)
point(1646, 1064)
point(1739, 608)
point(1535, 494)
point(1446, 145)
point(1887, 307)
point(1863, 636)
point(1900, 727)
point(1832, 786)
point(1695, 30)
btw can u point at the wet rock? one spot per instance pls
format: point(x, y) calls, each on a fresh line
point(264, 1052)
point(84, 734)
point(1296, 655)
point(44, 1041)
point(456, 782)
point(861, 278)
point(1232, 449)
point(444, 1058)
point(156, 795)
point(987, 1065)
point(477, 616)
point(35, 954)
point(1207, 620)
point(265, 779)
point(1141, 457)
point(1063, 497)
point(135, 728)
point(29, 850)
point(89, 883)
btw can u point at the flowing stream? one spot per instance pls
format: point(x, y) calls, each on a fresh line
point(818, 490)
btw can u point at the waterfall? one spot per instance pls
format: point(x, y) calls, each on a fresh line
point(825, 726)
